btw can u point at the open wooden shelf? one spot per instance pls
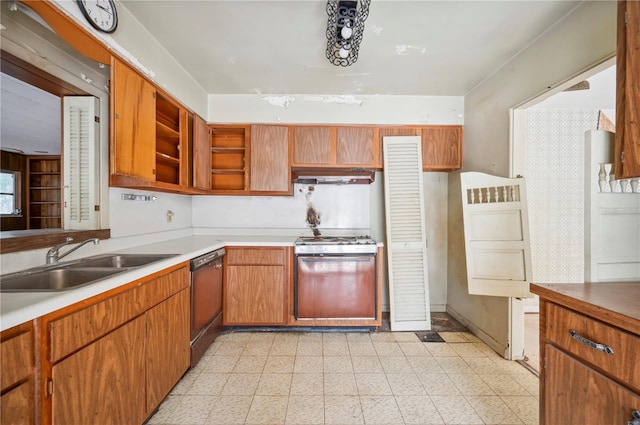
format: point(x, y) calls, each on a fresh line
point(44, 202)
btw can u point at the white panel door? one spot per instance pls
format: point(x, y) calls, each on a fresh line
point(406, 234)
point(496, 235)
point(81, 173)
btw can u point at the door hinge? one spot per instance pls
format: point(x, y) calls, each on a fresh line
point(49, 389)
point(96, 119)
point(96, 207)
point(626, 18)
point(622, 157)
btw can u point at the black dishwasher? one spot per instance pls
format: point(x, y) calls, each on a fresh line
point(206, 302)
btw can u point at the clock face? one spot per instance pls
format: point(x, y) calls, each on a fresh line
point(100, 13)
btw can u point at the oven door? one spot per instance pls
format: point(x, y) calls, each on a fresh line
point(335, 287)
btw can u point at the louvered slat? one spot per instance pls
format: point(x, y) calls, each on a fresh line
point(406, 238)
point(80, 162)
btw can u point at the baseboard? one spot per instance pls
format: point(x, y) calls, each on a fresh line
point(485, 337)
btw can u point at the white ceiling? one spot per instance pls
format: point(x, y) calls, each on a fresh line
point(408, 48)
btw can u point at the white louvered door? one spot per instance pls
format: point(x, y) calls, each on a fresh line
point(81, 173)
point(406, 234)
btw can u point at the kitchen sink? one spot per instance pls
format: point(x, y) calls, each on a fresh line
point(72, 274)
point(53, 279)
point(118, 261)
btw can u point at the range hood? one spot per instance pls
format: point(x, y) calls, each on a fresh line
point(332, 175)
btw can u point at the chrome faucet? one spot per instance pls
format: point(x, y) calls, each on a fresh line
point(53, 255)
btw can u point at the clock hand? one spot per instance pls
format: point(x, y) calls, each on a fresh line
point(104, 8)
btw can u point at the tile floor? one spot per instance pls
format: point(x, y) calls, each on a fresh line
point(351, 378)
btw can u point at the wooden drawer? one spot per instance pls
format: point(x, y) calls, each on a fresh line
point(17, 359)
point(74, 331)
point(621, 365)
point(256, 256)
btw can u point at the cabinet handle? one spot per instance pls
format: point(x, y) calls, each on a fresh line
point(635, 420)
point(600, 347)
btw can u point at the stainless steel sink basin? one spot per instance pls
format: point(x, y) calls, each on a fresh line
point(119, 261)
point(53, 279)
point(63, 276)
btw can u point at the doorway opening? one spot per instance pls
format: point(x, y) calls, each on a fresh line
point(548, 149)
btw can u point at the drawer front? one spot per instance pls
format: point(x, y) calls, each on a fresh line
point(256, 256)
point(70, 333)
point(17, 359)
point(621, 365)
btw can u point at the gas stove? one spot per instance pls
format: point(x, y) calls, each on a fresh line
point(335, 245)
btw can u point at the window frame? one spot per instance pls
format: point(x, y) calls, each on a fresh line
point(17, 193)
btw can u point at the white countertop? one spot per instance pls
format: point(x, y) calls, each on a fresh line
point(19, 307)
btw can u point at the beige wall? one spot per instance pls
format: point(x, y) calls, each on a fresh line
point(584, 38)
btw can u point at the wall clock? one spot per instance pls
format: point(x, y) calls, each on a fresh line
point(100, 13)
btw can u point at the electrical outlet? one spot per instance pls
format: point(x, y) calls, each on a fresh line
point(170, 215)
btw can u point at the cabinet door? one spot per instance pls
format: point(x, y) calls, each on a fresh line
point(442, 148)
point(18, 405)
point(269, 159)
point(312, 146)
point(356, 146)
point(167, 346)
point(17, 358)
point(134, 141)
point(628, 91)
point(575, 394)
point(103, 383)
point(201, 154)
point(254, 295)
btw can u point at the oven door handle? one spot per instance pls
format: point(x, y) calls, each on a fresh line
point(335, 259)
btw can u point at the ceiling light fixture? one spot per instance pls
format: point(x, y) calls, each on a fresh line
point(344, 30)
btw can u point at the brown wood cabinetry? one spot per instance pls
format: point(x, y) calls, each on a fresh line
point(442, 148)
point(44, 192)
point(330, 146)
point(201, 148)
point(256, 286)
point(441, 144)
point(112, 359)
point(590, 350)
point(150, 134)
point(270, 171)
point(229, 157)
point(17, 377)
point(627, 144)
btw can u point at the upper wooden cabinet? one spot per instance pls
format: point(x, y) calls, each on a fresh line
point(330, 146)
point(229, 157)
point(357, 146)
point(201, 148)
point(150, 134)
point(442, 148)
point(270, 171)
point(627, 144)
point(441, 144)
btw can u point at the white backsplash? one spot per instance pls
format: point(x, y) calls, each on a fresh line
point(339, 206)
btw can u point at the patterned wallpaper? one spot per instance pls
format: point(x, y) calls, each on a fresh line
point(555, 191)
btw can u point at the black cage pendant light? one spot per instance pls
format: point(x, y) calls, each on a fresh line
point(344, 30)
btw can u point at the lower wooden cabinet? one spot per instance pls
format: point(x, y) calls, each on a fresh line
point(113, 359)
point(168, 354)
point(17, 403)
point(577, 394)
point(103, 383)
point(255, 286)
point(589, 351)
